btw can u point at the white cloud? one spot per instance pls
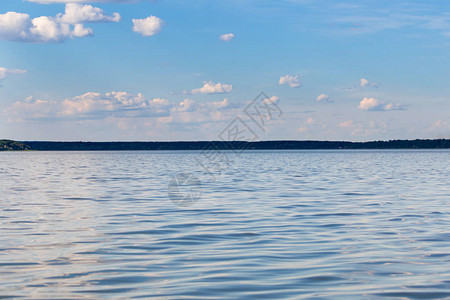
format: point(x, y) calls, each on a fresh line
point(21, 27)
point(120, 105)
point(323, 98)
point(186, 105)
point(212, 88)
point(81, 1)
point(442, 128)
point(79, 30)
point(5, 73)
point(190, 111)
point(77, 13)
point(363, 82)
point(149, 26)
point(358, 128)
point(272, 100)
point(226, 37)
point(90, 106)
point(293, 81)
point(372, 104)
point(369, 104)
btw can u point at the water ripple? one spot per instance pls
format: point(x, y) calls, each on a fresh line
point(276, 225)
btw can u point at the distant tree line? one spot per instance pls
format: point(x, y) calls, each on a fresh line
point(8, 145)
point(221, 145)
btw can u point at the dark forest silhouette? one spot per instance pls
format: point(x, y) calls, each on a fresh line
point(221, 145)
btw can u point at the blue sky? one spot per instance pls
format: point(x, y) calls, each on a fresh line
point(183, 70)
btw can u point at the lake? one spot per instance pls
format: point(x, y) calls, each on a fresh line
point(274, 224)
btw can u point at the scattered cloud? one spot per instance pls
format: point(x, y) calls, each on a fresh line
point(211, 88)
point(191, 111)
point(292, 81)
point(89, 106)
point(324, 98)
point(149, 26)
point(120, 106)
point(358, 128)
point(363, 82)
point(372, 104)
point(81, 1)
point(272, 100)
point(5, 73)
point(20, 27)
point(77, 13)
point(226, 37)
point(442, 127)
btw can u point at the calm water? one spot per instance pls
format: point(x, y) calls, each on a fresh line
point(292, 224)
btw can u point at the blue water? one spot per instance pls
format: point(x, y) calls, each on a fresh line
point(274, 225)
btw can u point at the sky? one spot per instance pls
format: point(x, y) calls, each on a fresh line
point(167, 70)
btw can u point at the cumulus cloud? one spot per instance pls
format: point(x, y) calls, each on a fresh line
point(120, 105)
point(191, 111)
point(79, 30)
point(226, 37)
point(149, 26)
point(21, 27)
point(292, 81)
point(363, 82)
point(358, 128)
point(5, 73)
point(323, 98)
point(211, 88)
point(90, 106)
point(372, 104)
point(272, 100)
point(77, 13)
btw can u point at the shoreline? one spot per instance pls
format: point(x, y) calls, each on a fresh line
point(9, 145)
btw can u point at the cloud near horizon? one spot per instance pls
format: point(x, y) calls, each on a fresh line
point(372, 104)
point(89, 106)
point(97, 106)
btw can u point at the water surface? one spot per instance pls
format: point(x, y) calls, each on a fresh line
point(276, 224)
